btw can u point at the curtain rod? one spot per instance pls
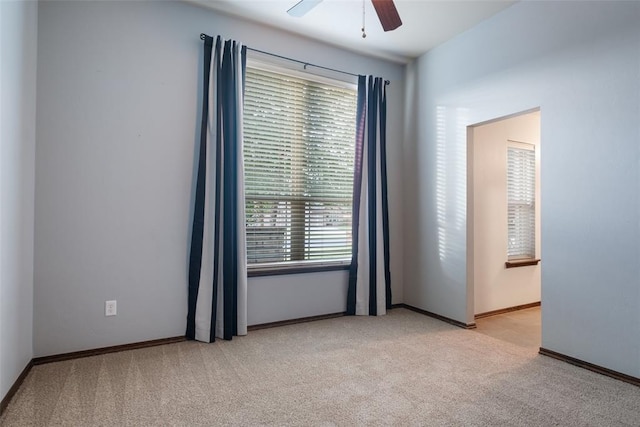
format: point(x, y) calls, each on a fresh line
point(203, 36)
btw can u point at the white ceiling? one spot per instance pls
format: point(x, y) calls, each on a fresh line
point(426, 23)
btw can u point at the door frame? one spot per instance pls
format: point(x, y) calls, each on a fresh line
point(470, 240)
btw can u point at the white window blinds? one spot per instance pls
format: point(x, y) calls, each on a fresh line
point(299, 153)
point(521, 193)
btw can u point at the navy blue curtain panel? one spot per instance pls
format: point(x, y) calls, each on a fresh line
point(217, 294)
point(369, 291)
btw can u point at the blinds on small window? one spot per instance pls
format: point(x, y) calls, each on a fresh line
point(521, 193)
point(299, 152)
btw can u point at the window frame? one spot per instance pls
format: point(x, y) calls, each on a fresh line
point(257, 60)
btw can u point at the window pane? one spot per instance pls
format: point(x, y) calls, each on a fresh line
point(299, 151)
point(521, 191)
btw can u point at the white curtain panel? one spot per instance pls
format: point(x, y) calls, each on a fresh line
point(218, 260)
point(369, 290)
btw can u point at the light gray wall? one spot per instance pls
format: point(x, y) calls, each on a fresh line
point(117, 124)
point(580, 63)
point(270, 297)
point(18, 51)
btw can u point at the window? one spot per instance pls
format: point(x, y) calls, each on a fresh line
point(521, 193)
point(299, 137)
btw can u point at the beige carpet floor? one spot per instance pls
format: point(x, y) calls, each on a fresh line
point(521, 327)
point(400, 369)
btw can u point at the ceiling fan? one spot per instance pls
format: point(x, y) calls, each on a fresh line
point(386, 10)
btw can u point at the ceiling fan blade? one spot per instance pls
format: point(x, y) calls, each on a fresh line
point(302, 7)
point(387, 13)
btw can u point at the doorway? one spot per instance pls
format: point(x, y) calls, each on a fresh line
point(501, 281)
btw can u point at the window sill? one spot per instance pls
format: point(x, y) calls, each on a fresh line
point(295, 269)
point(521, 262)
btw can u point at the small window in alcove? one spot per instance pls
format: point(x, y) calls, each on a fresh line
point(521, 206)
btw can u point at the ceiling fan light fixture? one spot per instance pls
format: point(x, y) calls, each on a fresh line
point(385, 9)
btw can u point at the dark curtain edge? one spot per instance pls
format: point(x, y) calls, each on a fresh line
point(361, 112)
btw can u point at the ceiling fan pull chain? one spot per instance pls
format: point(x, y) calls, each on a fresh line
point(364, 35)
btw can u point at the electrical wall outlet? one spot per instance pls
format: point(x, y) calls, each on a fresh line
point(110, 308)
